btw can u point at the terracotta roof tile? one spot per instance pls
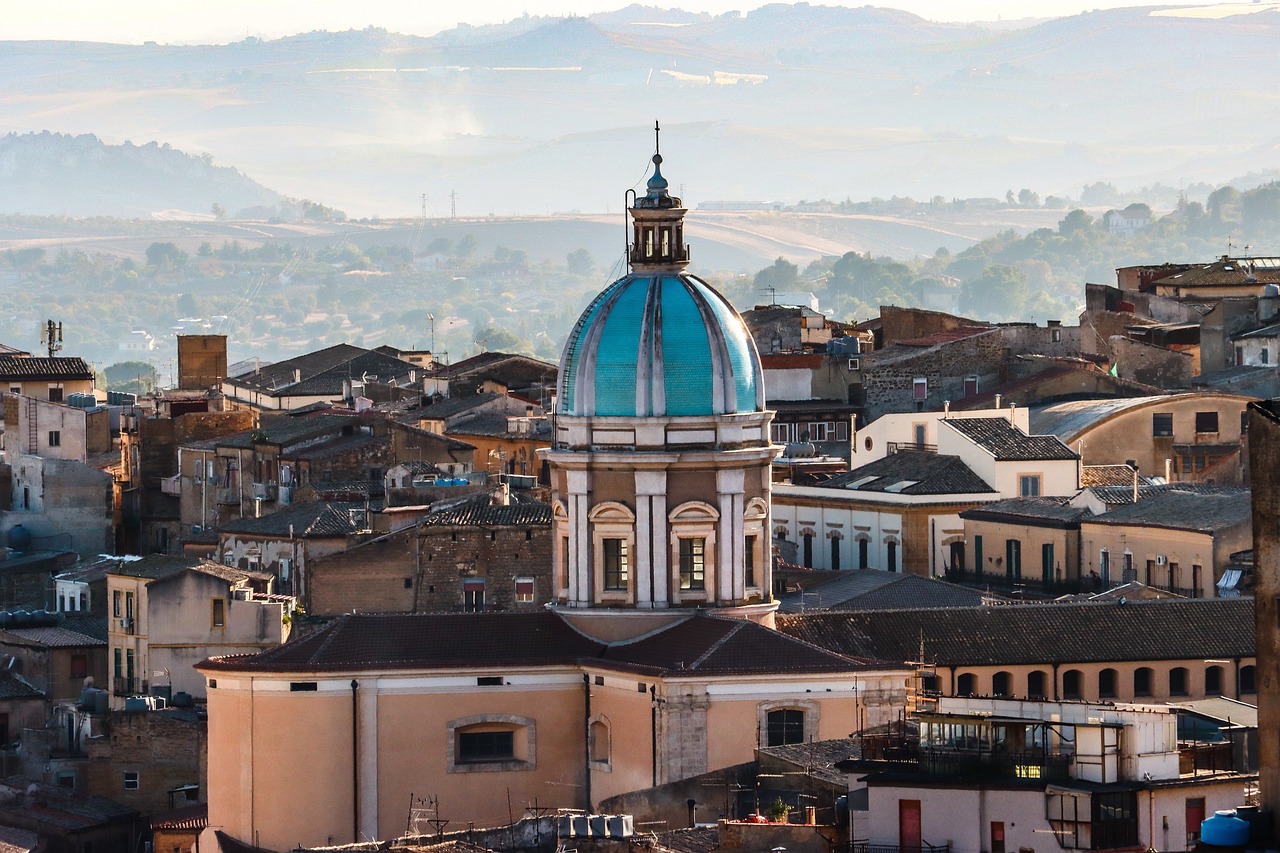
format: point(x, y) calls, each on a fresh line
point(1007, 443)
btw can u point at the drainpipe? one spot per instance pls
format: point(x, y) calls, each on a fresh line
point(653, 728)
point(1237, 663)
point(586, 732)
point(355, 761)
point(1056, 697)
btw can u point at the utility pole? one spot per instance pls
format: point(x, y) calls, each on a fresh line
point(51, 335)
point(424, 205)
point(453, 204)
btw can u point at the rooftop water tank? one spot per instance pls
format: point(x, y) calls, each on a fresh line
point(1224, 829)
point(18, 538)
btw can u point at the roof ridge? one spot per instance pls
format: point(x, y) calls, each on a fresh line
point(718, 644)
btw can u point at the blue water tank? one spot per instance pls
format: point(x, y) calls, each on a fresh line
point(1224, 829)
point(18, 538)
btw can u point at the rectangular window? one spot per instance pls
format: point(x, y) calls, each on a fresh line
point(116, 598)
point(473, 595)
point(79, 666)
point(1104, 566)
point(1162, 423)
point(785, 726)
point(970, 386)
point(977, 555)
point(219, 613)
point(15, 389)
point(480, 747)
point(1206, 421)
point(128, 605)
point(128, 666)
point(524, 590)
point(749, 560)
point(489, 681)
point(130, 781)
point(119, 663)
point(304, 686)
point(693, 563)
point(55, 438)
point(55, 392)
point(919, 389)
point(1029, 485)
point(199, 469)
point(615, 564)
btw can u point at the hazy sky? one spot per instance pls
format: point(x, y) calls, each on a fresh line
point(210, 21)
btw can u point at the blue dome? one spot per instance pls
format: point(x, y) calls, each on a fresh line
point(660, 344)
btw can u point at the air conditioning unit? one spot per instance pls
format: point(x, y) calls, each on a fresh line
point(1161, 560)
point(126, 622)
point(855, 364)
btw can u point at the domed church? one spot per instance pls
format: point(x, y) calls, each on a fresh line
point(655, 662)
point(661, 454)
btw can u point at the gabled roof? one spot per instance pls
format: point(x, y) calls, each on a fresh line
point(36, 368)
point(1038, 633)
point(302, 520)
point(1006, 442)
point(924, 473)
point(55, 637)
point(1043, 509)
point(715, 645)
point(154, 566)
point(321, 373)
point(1224, 271)
point(1108, 475)
point(14, 686)
point(1179, 509)
point(230, 574)
point(479, 510)
point(701, 645)
point(1265, 332)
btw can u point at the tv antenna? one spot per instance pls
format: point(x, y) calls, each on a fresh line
point(51, 335)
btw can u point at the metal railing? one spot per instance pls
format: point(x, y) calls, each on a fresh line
point(856, 846)
point(892, 447)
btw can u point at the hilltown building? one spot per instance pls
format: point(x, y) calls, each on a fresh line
point(655, 660)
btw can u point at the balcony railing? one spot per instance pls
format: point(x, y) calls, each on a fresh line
point(923, 847)
point(171, 485)
point(892, 447)
point(124, 686)
point(994, 765)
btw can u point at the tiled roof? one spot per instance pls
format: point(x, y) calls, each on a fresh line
point(1043, 509)
point(1220, 272)
point(35, 368)
point(498, 426)
point(61, 808)
point(14, 686)
point(927, 473)
point(478, 510)
point(714, 645)
point(1006, 442)
point(1265, 332)
point(154, 566)
point(700, 645)
point(322, 372)
point(91, 626)
point(470, 640)
point(1038, 633)
point(819, 757)
point(946, 336)
point(877, 590)
point(1107, 475)
point(230, 574)
point(451, 406)
point(55, 637)
point(1179, 509)
point(305, 519)
point(1117, 495)
point(190, 817)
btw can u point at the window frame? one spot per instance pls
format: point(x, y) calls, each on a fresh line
point(131, 780)
point(217, 612)
point(1162, 424)
point(523, 734)
point(1205, 420)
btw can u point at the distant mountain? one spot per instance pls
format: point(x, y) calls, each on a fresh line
point(786, 102)
point(58, 174)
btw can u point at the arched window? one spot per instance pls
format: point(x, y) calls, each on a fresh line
point(1071, 684)
point(1248, 679)
point(864, 548)
point(613, 544)
point(1107, 684)
point(1213, 681)
point(785, 725)
point(785, 722)
point(966, 684)
point(1001, 684)
point(600, 746)
point(693, 548)
point(1178, 679)
point(755, 547)
point(1035, 684)
point(488, 742)
point(1142, 681)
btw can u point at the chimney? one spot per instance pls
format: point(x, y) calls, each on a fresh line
point(1135, 485)
point(1012, 406)
point(1168, 470)
point(946, 408)
point(998, 399)
point(297, 375)
point(528, 411)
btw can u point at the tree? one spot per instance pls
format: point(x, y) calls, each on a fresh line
point(131, 377)
point(1027, 198)
point(467, 246)
point(187, 306)
point(580, 262)
point(219, 212)
point(1223, 205)
point(1001, 292)
point(165, 255)
point(780, 275)
point(1075, 222)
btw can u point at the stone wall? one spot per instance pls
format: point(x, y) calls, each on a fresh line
point(1152, 365)
point(167, 749)
point(889, 375)
point(904, 324)
point(422, 570)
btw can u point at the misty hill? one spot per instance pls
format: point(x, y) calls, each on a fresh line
point(58, 174)
point(787, 102)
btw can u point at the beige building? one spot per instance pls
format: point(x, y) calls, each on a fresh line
point(52, 379)
point(993, 775)
point(1028, 542)
point(1185, 437)
point(653, 663)
point(169, 613)
point(1114, 650)
point(1176, 539)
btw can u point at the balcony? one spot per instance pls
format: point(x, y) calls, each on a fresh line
point(892, 447)
point(994, 765)
point(172, 485)
point(923, 847)
point(264, 491)
point(229, 496)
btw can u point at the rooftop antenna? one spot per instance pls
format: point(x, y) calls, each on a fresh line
point(51, 335)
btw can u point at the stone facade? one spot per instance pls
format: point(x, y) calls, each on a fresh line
point(163, 750)
point(424, 569)
point(1264, 461)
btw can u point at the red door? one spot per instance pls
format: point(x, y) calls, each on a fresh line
point(997, 836)
point(909, 826)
